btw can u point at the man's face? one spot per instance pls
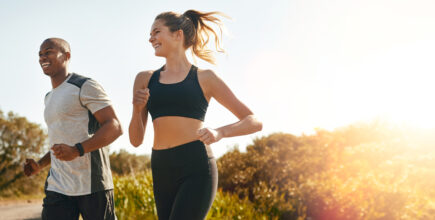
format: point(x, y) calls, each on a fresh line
point(52, 59)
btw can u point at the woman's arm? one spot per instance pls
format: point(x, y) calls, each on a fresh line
point(140, 113)
point(247, 124)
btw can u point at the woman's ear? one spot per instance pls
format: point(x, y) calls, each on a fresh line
point(179, 35)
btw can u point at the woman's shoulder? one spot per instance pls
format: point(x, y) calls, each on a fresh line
point(206, 74)
point(209, 81)
point(145, 74)
point(144, 77)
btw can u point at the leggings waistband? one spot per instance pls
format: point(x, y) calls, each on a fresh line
point(185, 149)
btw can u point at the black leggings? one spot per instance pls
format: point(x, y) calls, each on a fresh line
point(185, 181)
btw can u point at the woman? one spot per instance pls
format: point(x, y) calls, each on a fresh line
point(177, 96)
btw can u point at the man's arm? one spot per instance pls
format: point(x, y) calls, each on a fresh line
point(109, 131)
point(32, 167)
point(45, 160)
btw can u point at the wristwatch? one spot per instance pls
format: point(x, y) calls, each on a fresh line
point(80, 148)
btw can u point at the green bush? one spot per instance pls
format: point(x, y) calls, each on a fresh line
point(363, 171)
point(134, 199)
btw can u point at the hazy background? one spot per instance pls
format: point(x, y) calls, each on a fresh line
point(297, 64)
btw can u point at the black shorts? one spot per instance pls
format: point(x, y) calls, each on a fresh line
point(95, 206)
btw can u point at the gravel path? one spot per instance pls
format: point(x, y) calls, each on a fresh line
point(21, 210)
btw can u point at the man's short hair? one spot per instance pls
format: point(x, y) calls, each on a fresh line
point(60, 43)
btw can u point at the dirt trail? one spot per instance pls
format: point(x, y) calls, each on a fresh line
point(21, 210)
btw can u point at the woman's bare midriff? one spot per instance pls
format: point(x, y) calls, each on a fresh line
point(172, 131)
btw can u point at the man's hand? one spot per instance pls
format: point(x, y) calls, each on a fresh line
point(31, 167)
point(65, 152)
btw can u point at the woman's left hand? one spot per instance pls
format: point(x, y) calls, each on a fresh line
point(208, 135)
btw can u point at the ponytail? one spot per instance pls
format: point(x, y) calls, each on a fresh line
point(196, 32)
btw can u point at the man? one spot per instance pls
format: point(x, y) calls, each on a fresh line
point(81, 123)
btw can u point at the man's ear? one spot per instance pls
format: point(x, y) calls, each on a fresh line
point(67, 56)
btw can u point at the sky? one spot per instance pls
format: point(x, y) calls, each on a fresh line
point(298, 65)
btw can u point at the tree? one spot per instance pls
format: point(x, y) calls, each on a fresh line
point(19, 139)
point(124, 163)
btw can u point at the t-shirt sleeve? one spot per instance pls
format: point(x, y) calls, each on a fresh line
point(45, 98)
point(93, 96)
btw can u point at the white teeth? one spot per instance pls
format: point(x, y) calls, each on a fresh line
point(155, 46)
point(45, 64)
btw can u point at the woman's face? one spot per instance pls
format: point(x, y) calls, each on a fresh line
point(162, 39)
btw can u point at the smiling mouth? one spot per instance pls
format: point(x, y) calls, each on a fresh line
point(44, 65)
point(156, 46)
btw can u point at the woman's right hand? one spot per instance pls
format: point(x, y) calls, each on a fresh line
point(140, 99)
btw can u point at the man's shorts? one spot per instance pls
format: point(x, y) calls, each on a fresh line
point(95, 206)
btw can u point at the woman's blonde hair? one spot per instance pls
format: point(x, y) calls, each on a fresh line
point(196, 31)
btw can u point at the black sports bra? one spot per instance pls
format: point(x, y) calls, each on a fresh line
point(184, 98)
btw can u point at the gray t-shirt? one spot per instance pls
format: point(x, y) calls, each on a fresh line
point(69, 110)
